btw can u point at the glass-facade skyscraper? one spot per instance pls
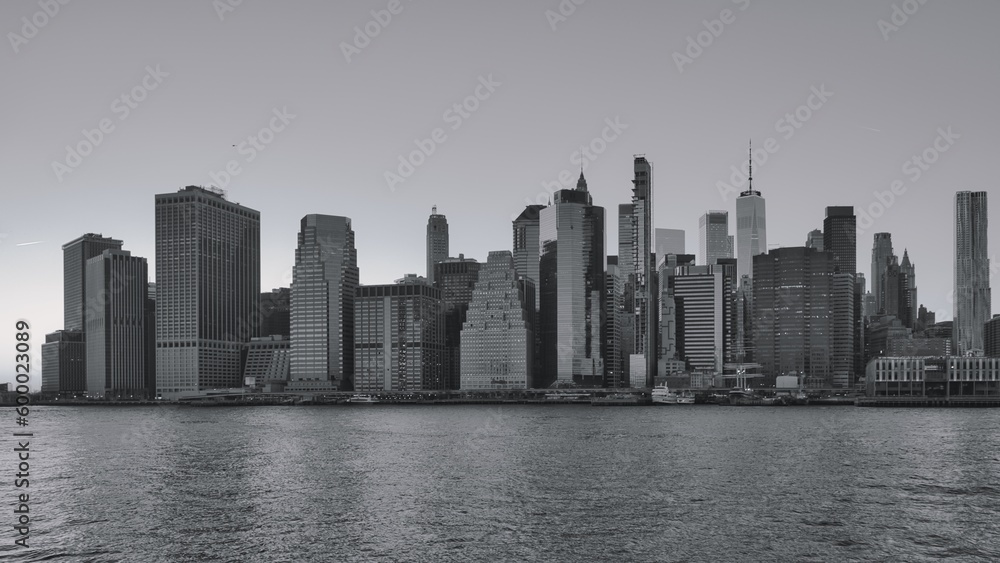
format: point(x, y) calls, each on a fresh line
point(714, 241)
point(324, 284)
point(75, 255)
point(973, 299)
point(751, 227)
point(572, 268)
point(207, 289)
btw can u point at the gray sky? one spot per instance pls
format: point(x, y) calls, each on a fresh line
point(556, 81)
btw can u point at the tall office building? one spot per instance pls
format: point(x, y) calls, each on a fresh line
point(207, 289)
point(399, 337)
point(497, 340)
point(671, 318)
point(456, 278)
point(75, 255)
point(815, 240)
point(714, 241)
point(150, 337)
point(117, 289)
point(669, 241)
point(437, 241)
point(973, 304)
point(64, 364)
point(704, 298)
point(276, 312)
point(882, 254)
point(324, 284)
point(751, 226)
point(571, 271)
point(840, 238)
point(642, 276)
point(802, 323)
point(526, 245)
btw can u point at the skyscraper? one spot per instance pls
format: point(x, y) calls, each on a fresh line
point(882, 254)
point(275, 312)
point(571, 268)
point(324, 284)
point(669, 241)
point(497, 340)
point(840, 238)
point(207, 289)
point(456, 278)
point(704, 297)
point(615, 360)
point(117, 290)
point(910, 304)
point(973, 304)
point(75, 255)
point(751, 226)
point(399, 337)
point(642, 276)
point(714, 241)
point(437, 241)
point(815, 240)
point(526, 245)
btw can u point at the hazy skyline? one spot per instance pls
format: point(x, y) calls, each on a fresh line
point(334, 115)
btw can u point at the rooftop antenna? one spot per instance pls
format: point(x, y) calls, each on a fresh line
point(751, 164)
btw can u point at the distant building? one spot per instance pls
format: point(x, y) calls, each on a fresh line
point(437, 241)
point(814, 240)
point(992, 337)
point(207, 290)
point(714, 241)
point(571, 270)
point(324, 286)
point(456, 278)
point(973, 305)
point(669, 241)
point(275, 312)
point(64, 363)
point(751, 227)
point(882, 255)
point(497, 337)
point(949, 376)
point(399, 338)
point(116, 336)
point(268, 359)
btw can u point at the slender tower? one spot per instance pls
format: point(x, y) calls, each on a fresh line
point(437, 241)
point(972, 272)
point(751, 226)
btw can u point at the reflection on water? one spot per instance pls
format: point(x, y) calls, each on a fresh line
point(526, 483)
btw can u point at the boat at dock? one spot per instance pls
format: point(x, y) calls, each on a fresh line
point(663, 396)
point(362, 400)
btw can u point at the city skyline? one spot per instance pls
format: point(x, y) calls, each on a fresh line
point(151, 149)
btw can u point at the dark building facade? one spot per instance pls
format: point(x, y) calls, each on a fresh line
point(437, 241)
point(456, 278)
point(75, 255)
point(992, 337)
point(64, 363)
point(275, 312)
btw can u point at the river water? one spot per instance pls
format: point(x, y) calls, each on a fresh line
point(510, 483)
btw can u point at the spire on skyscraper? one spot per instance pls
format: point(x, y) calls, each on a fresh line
point(581, 184)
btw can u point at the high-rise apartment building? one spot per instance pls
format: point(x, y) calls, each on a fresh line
point(115, 333)
point(207, 289)
point(324, 285)
point(437, 241)
point(571, 270)
point(714, 241)
point(497, 337)
point(642, 276)
point(399, 338)
point(973, 303)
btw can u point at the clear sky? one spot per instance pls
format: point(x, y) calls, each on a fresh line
point(181, 87)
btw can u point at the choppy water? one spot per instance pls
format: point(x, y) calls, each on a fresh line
point(518, 483)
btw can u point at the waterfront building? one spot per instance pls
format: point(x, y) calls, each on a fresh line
point(948, 376)
point(399, 338)
point(801, 324)
point(571, 270)
point(456, 278)
point(75, 255)
point(64, 363)
point(437, 241)
point(704, 298)
point(207, 289)
point(268, 359)
point(497, 337)
point(973, 305)
point(751, 226)
point(714, 241)
point(324, 284)
point(275, 312)
point(992, 337)
point(641, 275)
point(115, 333)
